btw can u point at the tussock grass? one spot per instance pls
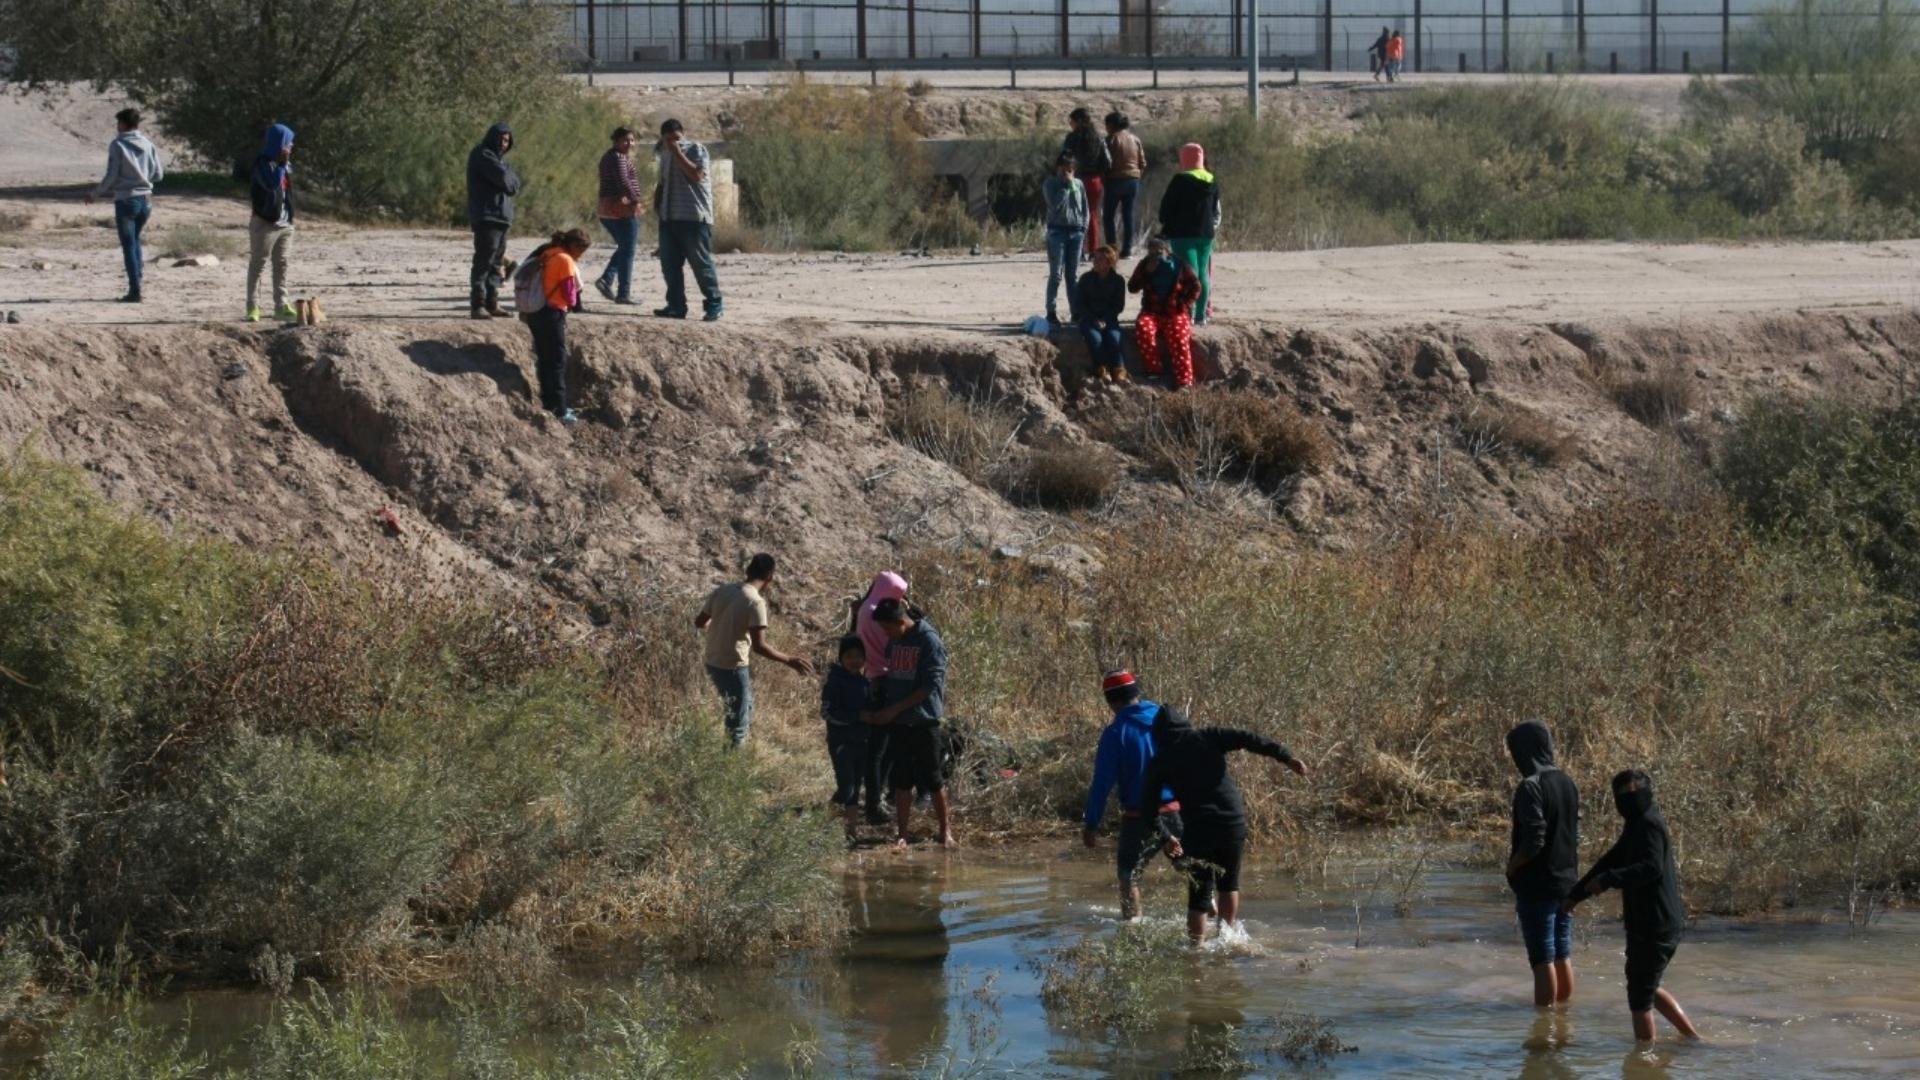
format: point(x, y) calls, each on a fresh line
point(973, 434)
point(1514, 430)
point(186, 241)
point(1658, 398)
point(1063, 476)
point(1206, 435)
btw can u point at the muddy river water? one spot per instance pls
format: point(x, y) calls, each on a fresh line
point(944, 973)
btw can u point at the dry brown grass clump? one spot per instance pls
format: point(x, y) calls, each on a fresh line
point(972, 434)
point(1207, 435)
point(1656, 398)
point(1512, 429)
point(1063, 476)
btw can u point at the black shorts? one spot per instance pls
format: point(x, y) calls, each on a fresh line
point(1220, 851)
point(1647, 960)
point(911, 759)
point(1139, 842)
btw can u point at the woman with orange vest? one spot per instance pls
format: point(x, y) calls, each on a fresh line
point(560, 288)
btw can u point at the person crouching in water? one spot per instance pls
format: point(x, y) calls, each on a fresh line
point(1640, 864)
point(1146, 817)
point(558, 260)
point(1167, 289)
point(843, 705)
point(1545, 860)
point(1103, 299)
point(1192, 763)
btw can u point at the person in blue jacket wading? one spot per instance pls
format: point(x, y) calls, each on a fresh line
point(1126, 746)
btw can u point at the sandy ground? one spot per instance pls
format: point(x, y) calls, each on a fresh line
point(65, 267)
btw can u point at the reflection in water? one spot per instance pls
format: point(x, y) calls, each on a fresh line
point(896, 975)
point(1552, 1031)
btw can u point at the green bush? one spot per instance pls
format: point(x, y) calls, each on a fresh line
point(1846, 71)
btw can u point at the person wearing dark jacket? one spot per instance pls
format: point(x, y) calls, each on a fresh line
point(1126, 750)
point(1189, 219)
point(1164, 328)
point(843, 705)
point(1191, 763)
point(916, 693)
point(1377, 53)
point(1103, 299)
point(270, 230)
point(1091, 160)
point(1640, 864)
point(491, 186)
point(1544, 860)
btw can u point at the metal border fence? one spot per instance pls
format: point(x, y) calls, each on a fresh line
point(1620, 36)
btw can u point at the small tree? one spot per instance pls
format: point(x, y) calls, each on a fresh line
point(1847, 70)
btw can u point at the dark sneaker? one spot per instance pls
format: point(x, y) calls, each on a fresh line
point(604, 288)
point(481, 314)
point(568, 417)
point(668, 313)
point(132, 297)
point(712, 315)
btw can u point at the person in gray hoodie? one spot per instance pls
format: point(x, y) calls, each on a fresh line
point(133, 167)
point(1067, 217)
point(491, 186)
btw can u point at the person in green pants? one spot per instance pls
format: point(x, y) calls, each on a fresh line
point(1189, 216)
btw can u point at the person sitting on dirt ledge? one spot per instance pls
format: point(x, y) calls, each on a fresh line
point(735, 620)
point(1167, 287)
point(1103, 299)
point(557, 264)
point(916, 701)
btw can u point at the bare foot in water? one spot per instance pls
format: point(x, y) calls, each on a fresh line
point(947, 841)
point(900, 843)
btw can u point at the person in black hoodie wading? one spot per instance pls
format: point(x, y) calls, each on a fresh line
point(491, 186)
point(1640, 864)
point(1545, 860)
point(1192, 764)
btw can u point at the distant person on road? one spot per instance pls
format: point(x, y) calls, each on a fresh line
point(1640, 864)
point(619, 212)
point(915, 703)
point(270, 230)
point(843, 705)
point(1120, 198)
point(1103, 299)
point(133, 167)
point(491, 186)
point(557, 262)
point(1066, 200)
point(1164, 328)
point(1377, 53)
point(1544, 860)
point(1396, 55)
point(1146, 817)
point(1189, 218)
point(1192, 764)
point(887, 585)
point(735, 620)
point(1091, 160)
point(683, 201)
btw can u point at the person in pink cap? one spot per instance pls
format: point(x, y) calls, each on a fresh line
point(1189, 218)
point(887, 585)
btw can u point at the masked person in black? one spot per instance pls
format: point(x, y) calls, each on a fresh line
point(1640, 865)
point(1192, 763)
point(1545, 860)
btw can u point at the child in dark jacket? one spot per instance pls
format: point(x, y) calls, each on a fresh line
point(1640, 864)
point(1545, 860)
point(843, 700)
point(1103, 298)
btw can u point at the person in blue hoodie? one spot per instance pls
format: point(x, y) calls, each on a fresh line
point(270, 230)
point(1126, 748)
point(843, 705)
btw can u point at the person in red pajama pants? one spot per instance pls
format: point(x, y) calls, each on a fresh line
point(1167, 291)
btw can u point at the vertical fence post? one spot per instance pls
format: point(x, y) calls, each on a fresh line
point(1253, 58)
point(1065, 46)
point(1613, 63)
point(1150, 57)
point(859, 28)
point(1506, 35)
point(1653, 35)
point(913, 43)
point(1580, 37)
point(1463, 63)
point(974, 28)
point(683, 31)
point(1326, 28)
point(1417, 15)
point(592, 44)
point(1726, 36)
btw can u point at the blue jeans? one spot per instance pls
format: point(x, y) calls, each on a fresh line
point(1547, 930)
point(129, 217)
point(1103, 343)
point(619, 271)
point(683, 243)
point(1063, 257)
point(736, 693)
point(1122, 197)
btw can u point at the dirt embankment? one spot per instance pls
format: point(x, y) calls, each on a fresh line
point(699, 449)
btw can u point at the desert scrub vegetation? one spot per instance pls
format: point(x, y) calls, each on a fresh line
point(974, 433)
point(1206, 436)
point(1062, 476)
point(211, 754)
point(1508, 428)
point(1767, 686)
point(1657, 398)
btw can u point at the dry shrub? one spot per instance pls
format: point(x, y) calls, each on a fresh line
point(1208, 435)
point(1063, 476)
point(972, 434)
point(1512, 429)
point(186, 241)
point(1657, 398)
point(919, 88)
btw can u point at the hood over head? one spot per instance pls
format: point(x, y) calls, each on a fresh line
point(1633, 793)
point(1193, 156)
point(887, 585)
point(1531, 745)
point(1170, 723)
point(496, 137)
point(277, 139)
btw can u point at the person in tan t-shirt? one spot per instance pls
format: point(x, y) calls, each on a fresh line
point(735, 620)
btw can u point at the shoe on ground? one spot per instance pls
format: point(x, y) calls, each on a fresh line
point(481, 314)
point(132, 297)
point(495, 310)
point(624, 301)
point(1121, 377)
point(567, 417)
point(604, 289)
point(253, 314)
point(876, 817)
point(285, 313)
point(1106, 375)
point(668, 313)
point(712, 315)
